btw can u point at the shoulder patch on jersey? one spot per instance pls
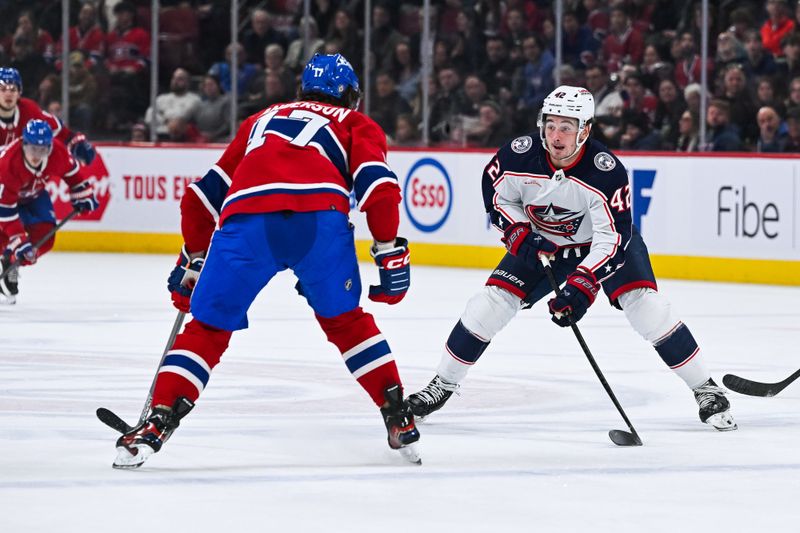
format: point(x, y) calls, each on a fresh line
point(521, 145)
point(604, 161)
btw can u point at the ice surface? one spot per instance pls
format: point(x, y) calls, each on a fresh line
point(284, 440)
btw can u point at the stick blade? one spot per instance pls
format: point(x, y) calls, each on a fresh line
point(113, 421)
point(750, 388)
point(624, 438)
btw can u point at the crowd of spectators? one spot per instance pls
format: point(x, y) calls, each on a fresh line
point(493, 64)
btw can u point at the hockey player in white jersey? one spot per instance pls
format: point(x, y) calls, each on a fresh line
point(568, 197)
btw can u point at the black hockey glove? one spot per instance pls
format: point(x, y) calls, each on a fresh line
point(81, 149)
point(83, 197)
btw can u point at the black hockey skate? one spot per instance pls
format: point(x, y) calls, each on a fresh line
point(134, 447)
point(432, 397)
point(400, 425)
point(714, 406)
point(9, 285)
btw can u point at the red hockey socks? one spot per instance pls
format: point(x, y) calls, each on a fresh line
point(39, 230)
point(188, 364)
point(366, 353)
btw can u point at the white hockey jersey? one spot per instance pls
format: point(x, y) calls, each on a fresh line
point(586, 204)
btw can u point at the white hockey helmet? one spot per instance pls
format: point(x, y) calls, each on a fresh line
point(571, 102)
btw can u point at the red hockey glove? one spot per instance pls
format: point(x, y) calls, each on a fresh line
point(394, 268)
point(522, 242)
point(21, 249)
point(182, 279)
point(571, 302)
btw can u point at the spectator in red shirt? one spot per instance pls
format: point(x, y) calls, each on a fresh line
point(641, 13)
point(128, 58)
point(637, 97)
point(688, 63)
point(41, 39)
point(87, 36)
point(777, 26)
point(531, 15)
point(597, 18)
point(624, 43)
point(128, 45)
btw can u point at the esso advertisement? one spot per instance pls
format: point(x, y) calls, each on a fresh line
point(97, 174)
point(428, 195)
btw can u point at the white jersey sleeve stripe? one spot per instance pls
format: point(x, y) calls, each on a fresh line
point(205, 201)
point(374, 185)
point(222, 174)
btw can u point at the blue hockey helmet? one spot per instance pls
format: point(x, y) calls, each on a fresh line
point(331, 75)
point(38, 133)
point(10, 76)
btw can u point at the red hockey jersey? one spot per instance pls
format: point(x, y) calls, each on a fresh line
point(129, 51)
point(305, 156)
point(300, 156)
point(27, 110)
point(92, 42)
point(19, 182)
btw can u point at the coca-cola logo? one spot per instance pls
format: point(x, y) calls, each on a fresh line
point(98, 175)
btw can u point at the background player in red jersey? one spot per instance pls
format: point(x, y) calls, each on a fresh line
point(281, 196)
point(26, 211)
point(16, 112)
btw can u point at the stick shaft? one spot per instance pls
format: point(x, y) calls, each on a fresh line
point(176, 327)
point(554, 285)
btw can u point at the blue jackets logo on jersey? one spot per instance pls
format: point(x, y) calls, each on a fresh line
point(427, 195)
point(604, 161)
point(555, 220)
point(521, 145)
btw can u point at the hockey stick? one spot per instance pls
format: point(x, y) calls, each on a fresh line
point(111, 419)
point(756, 388)
point(41, 241)
point(617, 436)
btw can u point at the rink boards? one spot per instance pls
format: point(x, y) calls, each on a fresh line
point(709, 217)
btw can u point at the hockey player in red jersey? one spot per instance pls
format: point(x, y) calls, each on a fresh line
point(26, 211)
point(280, 197)
point(16, 112)
point(568, 197)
